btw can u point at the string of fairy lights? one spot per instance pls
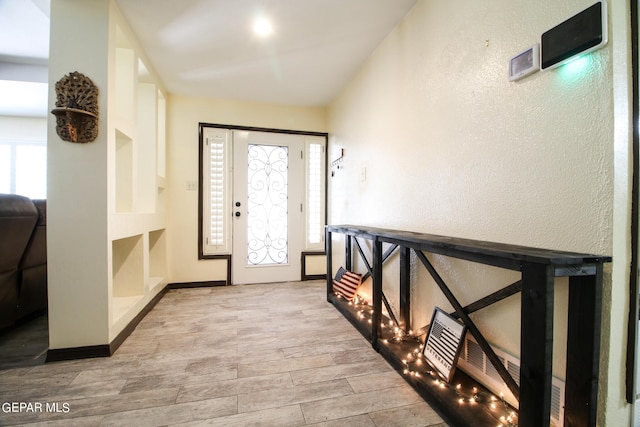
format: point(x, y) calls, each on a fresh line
point(417, 366)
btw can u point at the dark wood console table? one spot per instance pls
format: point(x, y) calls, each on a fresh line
point(538, 268)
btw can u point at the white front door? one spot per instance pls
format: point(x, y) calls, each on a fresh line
point(268, 185)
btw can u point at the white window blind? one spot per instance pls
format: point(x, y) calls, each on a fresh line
point(216, 192)
point(315, 193)
point(6, 175)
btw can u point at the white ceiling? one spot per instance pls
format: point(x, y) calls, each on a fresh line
point(24, 29)
point(206, 48)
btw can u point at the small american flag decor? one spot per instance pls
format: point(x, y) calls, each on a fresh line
point(346, 283)
point(442, 346)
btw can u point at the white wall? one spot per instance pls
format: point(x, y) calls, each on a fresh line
point(184, 114)
point(77, 211)
point(451, 147)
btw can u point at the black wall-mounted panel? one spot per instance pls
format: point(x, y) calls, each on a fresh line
point(583, 32)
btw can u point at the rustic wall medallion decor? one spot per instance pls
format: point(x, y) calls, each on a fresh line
point(76, 108)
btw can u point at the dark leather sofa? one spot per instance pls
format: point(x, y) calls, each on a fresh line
point(23, 258)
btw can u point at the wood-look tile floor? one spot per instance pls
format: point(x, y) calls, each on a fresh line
point(254, 355)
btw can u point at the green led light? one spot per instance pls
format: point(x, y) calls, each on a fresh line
point(576, 65)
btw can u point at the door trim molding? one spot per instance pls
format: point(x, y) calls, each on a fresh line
point(632, 333)
point(201, 127)
point(303, 265)
point(259, 129)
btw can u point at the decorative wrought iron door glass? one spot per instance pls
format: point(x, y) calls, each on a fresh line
point(267, 199)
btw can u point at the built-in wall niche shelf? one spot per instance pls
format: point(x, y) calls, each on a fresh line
point(124, 172)
point(157, 257)
point(125, 86)
point(125, 80)
point(161, 136)
point(146, 138)
point(161, 201)
point(137, 215)
point(127, 275)
point(143, 73)
point(128, 267)
point(129, 224)
point(122, 306)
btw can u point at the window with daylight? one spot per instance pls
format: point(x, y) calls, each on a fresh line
point(315, 194)
point(23, 168)
point(268, 200)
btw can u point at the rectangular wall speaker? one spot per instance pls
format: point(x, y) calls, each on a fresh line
point(582, 33)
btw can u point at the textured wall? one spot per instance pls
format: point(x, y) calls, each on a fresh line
point(449, 146)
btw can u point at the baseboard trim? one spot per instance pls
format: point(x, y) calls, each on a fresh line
point(303, 266)
point(87, 352)
point(107, 350)
point(186, 285)
point(104, 350)
point(117, 342)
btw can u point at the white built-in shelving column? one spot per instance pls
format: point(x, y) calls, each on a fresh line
point(106, 214)
point(137, 234)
